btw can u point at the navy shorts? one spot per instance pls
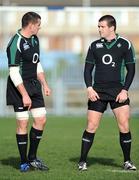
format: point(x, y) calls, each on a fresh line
point(106, 96)
point(34, 90)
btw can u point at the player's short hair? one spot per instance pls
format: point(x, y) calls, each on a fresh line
point(30, 17)
point(110, 20)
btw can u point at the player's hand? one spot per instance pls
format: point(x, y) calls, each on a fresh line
point(122, 96)
point(92, 94)
point(27, 101)
point(47, 90)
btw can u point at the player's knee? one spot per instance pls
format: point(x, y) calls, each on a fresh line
point(22, 126)
point(124, 127)
point(41, 121)
point(91, 127)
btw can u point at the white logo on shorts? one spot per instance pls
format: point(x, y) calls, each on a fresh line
point(20, 107)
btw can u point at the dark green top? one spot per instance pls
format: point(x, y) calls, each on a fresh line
point(24, 52)
point(109, 59)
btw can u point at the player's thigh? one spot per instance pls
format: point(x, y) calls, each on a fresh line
point(121, 110)
point(22, 116)
point(94, 114)
point(39, 116)
point(93, 119)
point(122, 115)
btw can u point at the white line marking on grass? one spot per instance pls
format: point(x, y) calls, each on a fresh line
point(122, 171)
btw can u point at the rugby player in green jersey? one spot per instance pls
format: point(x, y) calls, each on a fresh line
point(24, 89)
point(108, 57)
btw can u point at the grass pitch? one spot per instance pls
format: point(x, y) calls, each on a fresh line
point(60, 149)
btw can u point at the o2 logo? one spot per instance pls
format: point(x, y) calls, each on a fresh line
point(107, 59)
point(35, 58)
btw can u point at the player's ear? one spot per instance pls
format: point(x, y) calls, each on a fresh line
point(112, 28)
point(30, 25)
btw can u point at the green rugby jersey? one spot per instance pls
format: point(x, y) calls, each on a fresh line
point(110, 59)
point(24, 52)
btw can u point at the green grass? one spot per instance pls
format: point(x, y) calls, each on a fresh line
point(60, 148)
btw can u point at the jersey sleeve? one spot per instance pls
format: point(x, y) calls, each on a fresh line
point(13, 52)
point(90, 55)
point(88, 74)
point(129, 56)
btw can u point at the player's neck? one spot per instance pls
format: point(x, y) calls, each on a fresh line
point(26, 33)
point(111, 37)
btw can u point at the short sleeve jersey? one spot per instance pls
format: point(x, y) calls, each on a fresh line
point(110, 59)
point(24, 52)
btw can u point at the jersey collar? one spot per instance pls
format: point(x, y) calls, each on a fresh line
point(20, 35)
point(111, 43)
point(25, 39)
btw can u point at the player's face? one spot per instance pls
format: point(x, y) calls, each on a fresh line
point(104, 30)
point(35, 27)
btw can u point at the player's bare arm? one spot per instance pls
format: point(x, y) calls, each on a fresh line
point(25, 97)
point(41, 78)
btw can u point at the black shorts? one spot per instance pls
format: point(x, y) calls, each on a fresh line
point(106, 96)
point(34, 90)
